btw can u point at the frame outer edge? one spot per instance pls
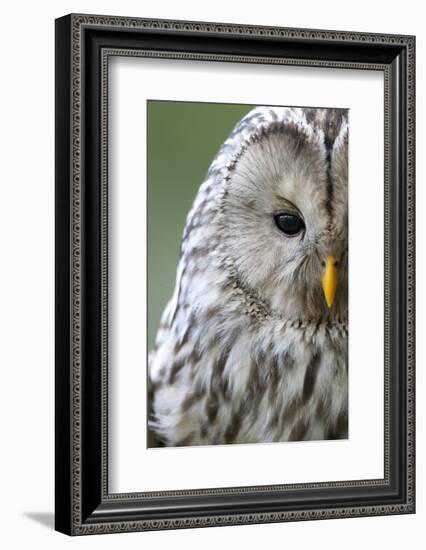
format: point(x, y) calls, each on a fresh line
point(63, 493)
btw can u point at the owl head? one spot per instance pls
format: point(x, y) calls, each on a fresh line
point(275, 206)
point(285, 210)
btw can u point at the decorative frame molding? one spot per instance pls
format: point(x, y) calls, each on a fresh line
point(84, 43)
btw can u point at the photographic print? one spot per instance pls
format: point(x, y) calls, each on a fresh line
point(202, 254)
point(247, 273)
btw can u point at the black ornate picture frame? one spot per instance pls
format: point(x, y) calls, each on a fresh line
point(84, 43)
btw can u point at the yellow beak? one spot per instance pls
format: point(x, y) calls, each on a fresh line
point(329, 280)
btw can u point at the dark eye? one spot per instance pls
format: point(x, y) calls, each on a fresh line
point(290, 224)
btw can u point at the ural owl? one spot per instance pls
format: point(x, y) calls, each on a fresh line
point(252, 347)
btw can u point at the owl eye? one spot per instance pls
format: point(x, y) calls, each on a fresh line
point(290, 224)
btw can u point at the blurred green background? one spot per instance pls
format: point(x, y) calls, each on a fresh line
point(183, 138)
